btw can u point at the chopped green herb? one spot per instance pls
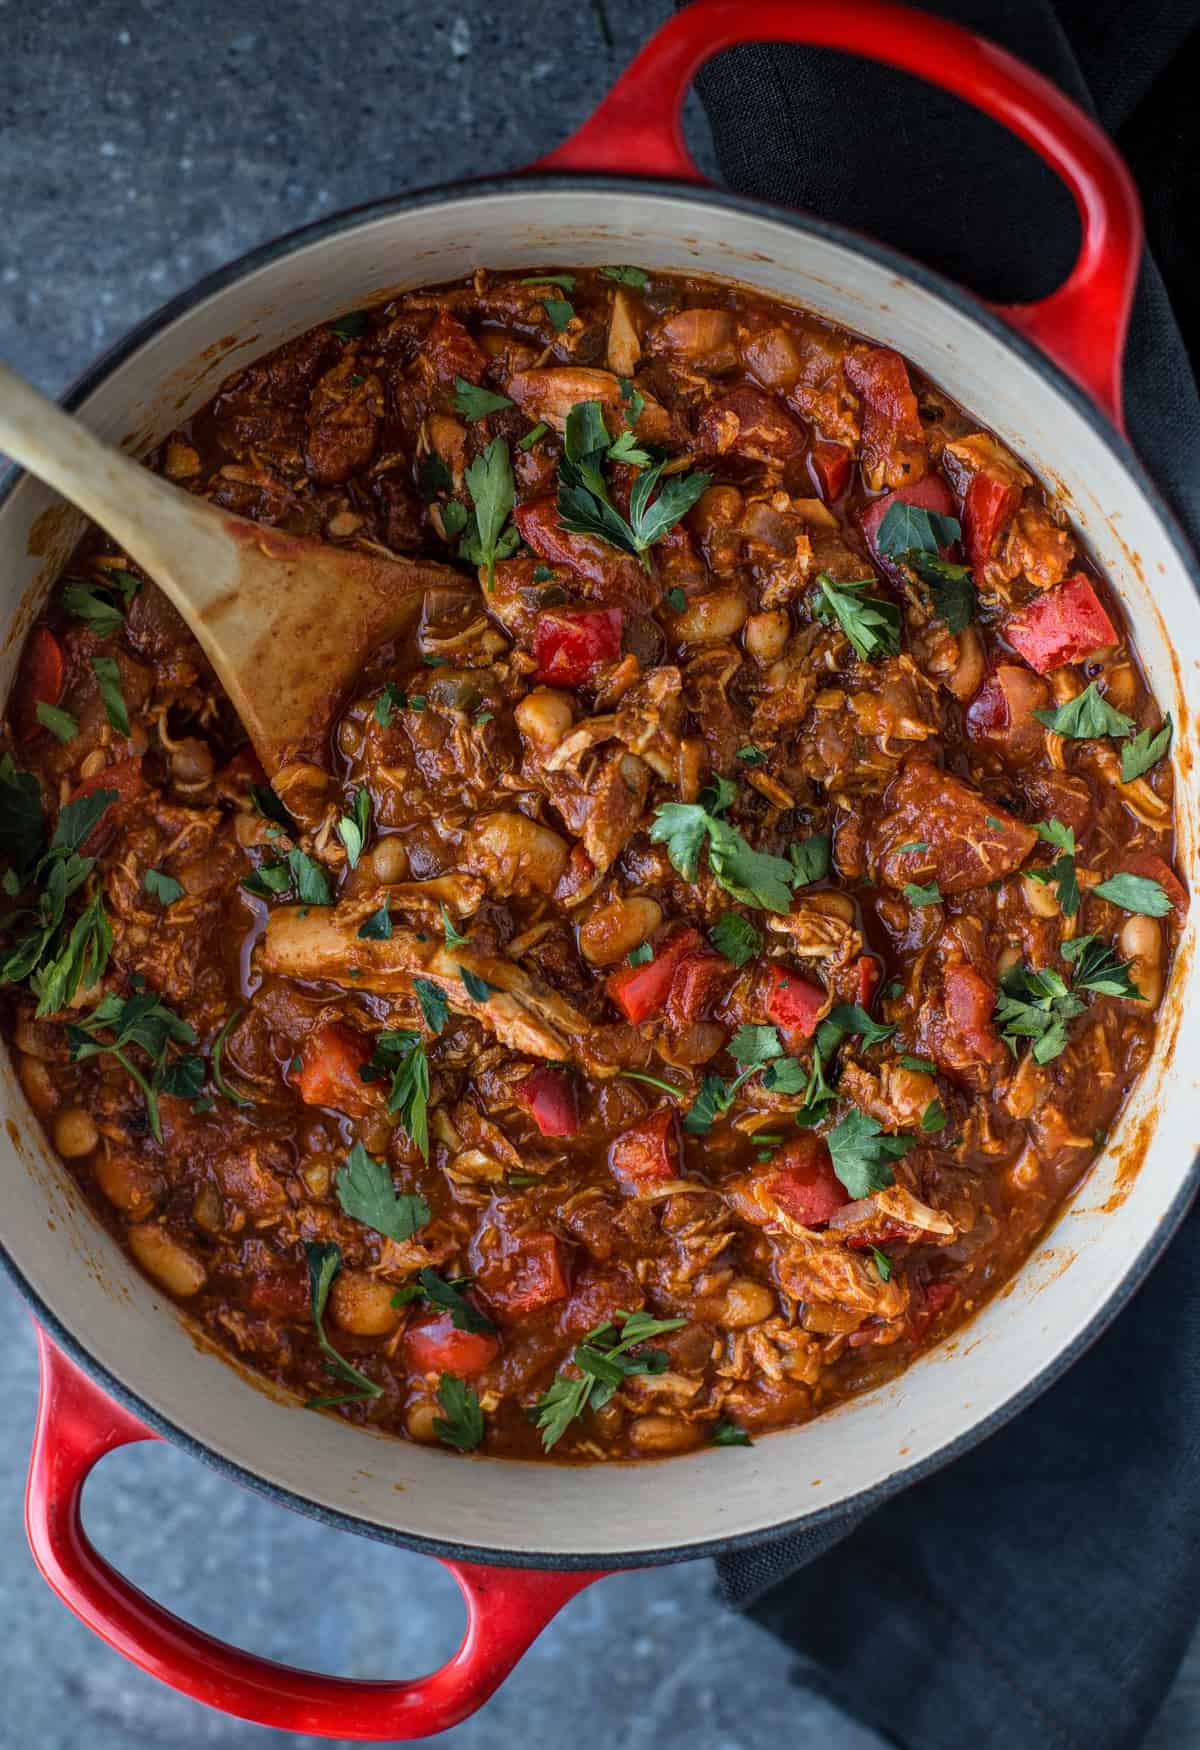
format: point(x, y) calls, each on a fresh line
point(640, 1075)
point(861, 1153)
point(351, 325)
point(378, 927)
point(627, 276)
point(142, 1021)
point(1136, 893)
point(83, 602)
point(931, 894)
point(402, 1056)
point(434, 477)
point(752, 756)
point(912, 845)
point(454, 518)
point(605, 1359)
point(1086, 717)
point(845, 1020)
point(490, 484)
point(464, 1314)
point(417, 701)
point(60, 723)
point(108, 674)
point(354, 828)
point(476, 403)
point(390, 700)
point(324, 1262)
point(910, 528)
point(462, 1426)
point(641, 955)
point(312, 883)
point(268, 880)
point(1036, 1005)
point(1098, 969)
point(921, 1064)
point(584, 504)
point(1143, 750)
point(676, 600)
point(215, 1060)
point(565, 280)
point(996, 825)
point(271, 807)
point(452, 937)
point(477, 988)
point(534, 436)
point(933, 1118)
point(754, 877)
point(811, 858)
point(162, 887)
point(1062, 871)
point(736, 938)
point(871, 624)
point(882, 1263)
point(950, 588)
point(559, 311)
point(435, 1009)
point(366, 1193)
point(726, 1433)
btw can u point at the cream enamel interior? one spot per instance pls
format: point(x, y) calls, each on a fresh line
point(523, 1510)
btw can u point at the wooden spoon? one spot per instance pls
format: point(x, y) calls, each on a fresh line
point(286, 620)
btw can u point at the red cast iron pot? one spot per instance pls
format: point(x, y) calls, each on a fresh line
point(118, 1367)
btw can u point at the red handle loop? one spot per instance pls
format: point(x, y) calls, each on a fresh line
point(507, 1608)
point(1082, 325)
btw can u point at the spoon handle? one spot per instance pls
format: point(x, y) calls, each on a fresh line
point(170, 534)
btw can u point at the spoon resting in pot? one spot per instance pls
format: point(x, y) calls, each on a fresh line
point(286, 620)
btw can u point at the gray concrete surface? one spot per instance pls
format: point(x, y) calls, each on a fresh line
point(141, 144)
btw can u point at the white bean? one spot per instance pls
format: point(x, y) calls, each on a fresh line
point(616, 928)
point(1141, 944)
point(711, 617)
point(171, 1264)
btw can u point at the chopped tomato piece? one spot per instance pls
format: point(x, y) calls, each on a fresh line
point(282, 1294)
point(451, 352)
point(644, 1155)
point(641, 991)
point(988, 505)
point(568, 646)
point(332, 1059)
point(434, 1345)
point(931, 493)
point(894, 451)
point(803, 1183)
point(1066, 624)
point(1156, 868)
point(40, 680)
point(526, 1276)
point(549, 1096)
point(793, 1002)
point(698, 979)
point(868, 971)
point(937, 1298)
point(958, 1031)
point(831, 468)
point(1002, 712)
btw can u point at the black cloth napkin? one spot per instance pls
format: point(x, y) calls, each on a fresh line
point(1039, 1593)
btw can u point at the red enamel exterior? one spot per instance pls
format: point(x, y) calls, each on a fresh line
point(1082, 327)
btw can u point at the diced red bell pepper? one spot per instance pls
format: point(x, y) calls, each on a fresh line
point(698, 979)
point(1066, 624)
point(932, 493)
point(526, 1277)
point(868, 972)
point(644, 1155)
point(641, 991)
point(332, 1059)
point(988, 505)
point(830, 464)
point(435, 1345)
point(569, 645)
point(793, 1002)
point(970, 1000)
point(936, 1299)
point(550, 1097)
point(893, 439)
point(801, 1180)
point(40, 680)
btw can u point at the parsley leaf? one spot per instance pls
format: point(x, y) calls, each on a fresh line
point(726, 1433)
point(736, 938)
point(351, 325)
point(324, 1262)
point(810, 858)
point(60, 723)
point(534, 436)
point(1036, 1005)
point(584, 505)
point(464, 1314)
point(1062, 871)
point(477, 988)
point(950, 588)
point(605, 1359)
point(108, 674)
point(83, 602)
point(1135, 893)
point(910, 528)
point(847, 1019)
point(402, 1056)
point(452, 937)
point(143, 1021)
point(271, 806)
point(462, 1426)
point(640, 956)
point(712, 1102)
point(432, 999)
point(861, 1153)
point(751, 756)
point(1086, 716)
point(882, 1263)
point(378, 927)
point(755, 877)
point(390, 700)
point(366, 1193)
point(215, 1057)
point(1098, 969)
point(871, 624)
point(312, 883)
point(354, 828)
point(676, 600)
point(162, 887)
point(1139, 753)
point(476, 403)
point(22, 822)
point(921, 1064)
point(490, 484)
point(933, 1118)
point(560, 312)
point(268, 881)
point(565, 280)
point(930, 894)
point(627, 276)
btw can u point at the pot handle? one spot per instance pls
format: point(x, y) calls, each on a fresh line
point(1082, 325)
point(507, 1608)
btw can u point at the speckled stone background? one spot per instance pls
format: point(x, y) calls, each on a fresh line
point(141, 144)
